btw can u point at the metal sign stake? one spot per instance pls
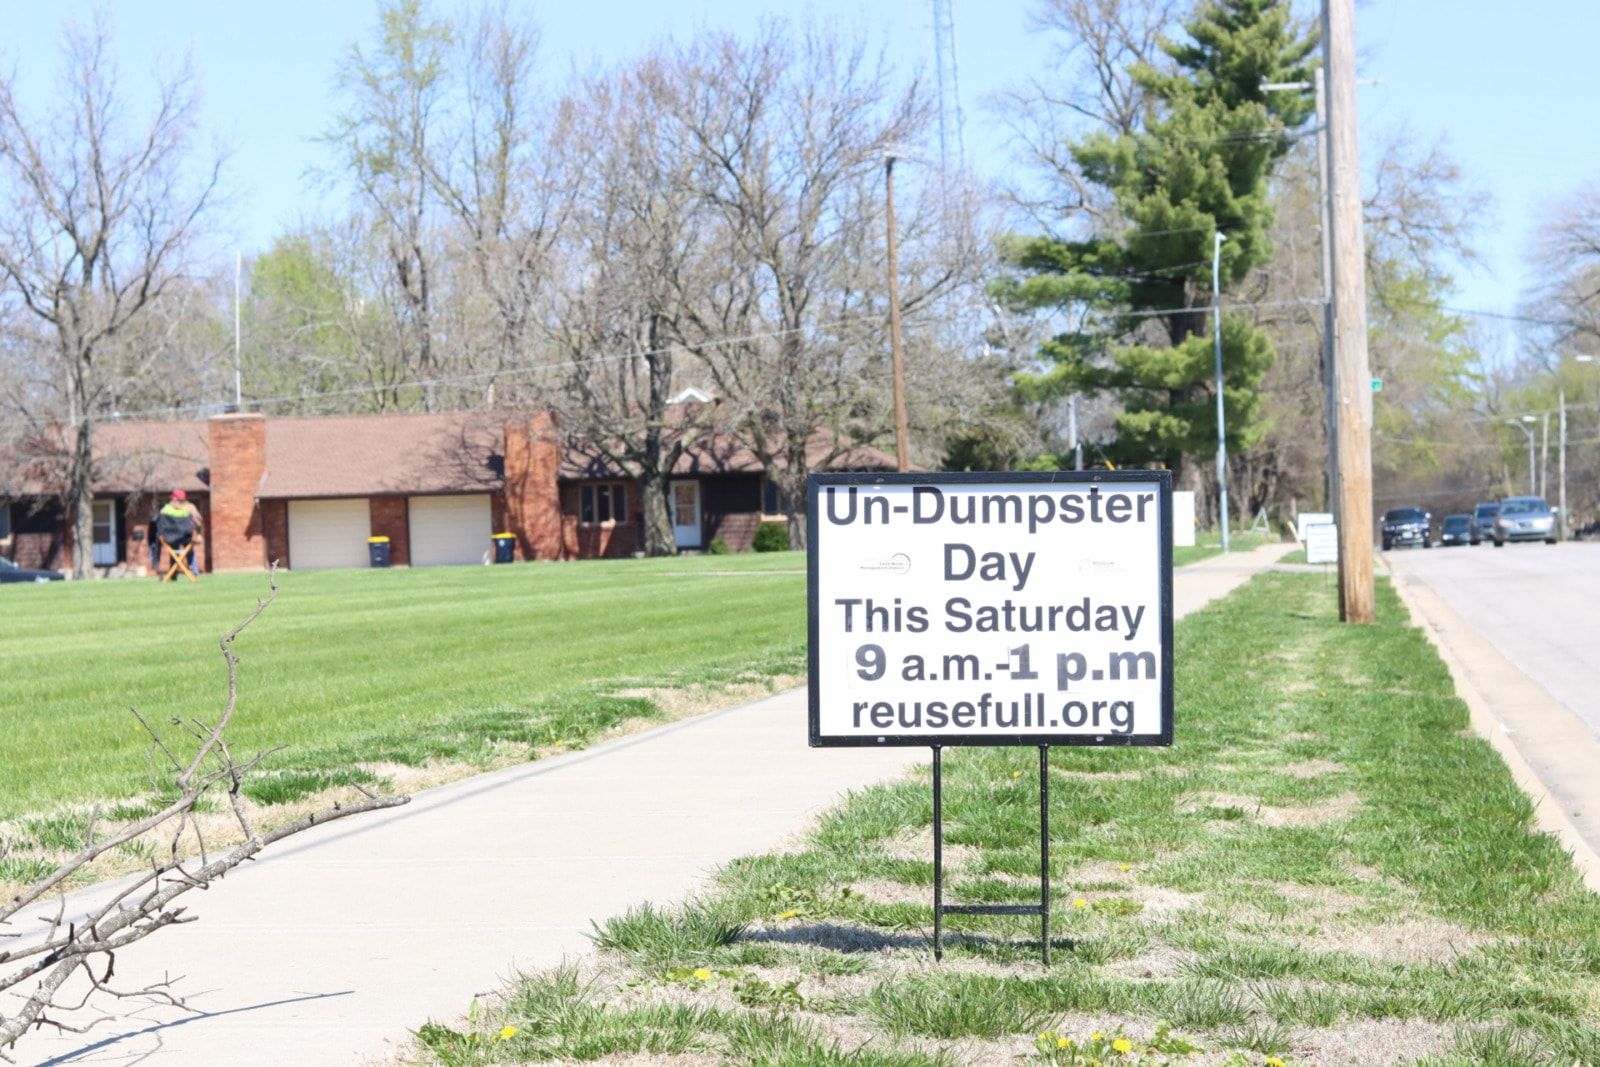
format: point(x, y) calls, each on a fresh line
point(1041, 909)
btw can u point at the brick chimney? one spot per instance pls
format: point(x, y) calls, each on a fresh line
point(532, 500)
point(238, 464)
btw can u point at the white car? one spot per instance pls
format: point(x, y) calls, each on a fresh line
point(1524, 518)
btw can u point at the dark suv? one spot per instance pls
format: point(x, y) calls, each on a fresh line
point(1483, 517)
point(1406, 526)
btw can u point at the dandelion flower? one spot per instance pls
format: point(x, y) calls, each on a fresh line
point(1096, 1036)
point(1122, 1044)
point(1080, 903)
point(1273, 1061)
point(1124, 867)
point(791, 913)
point(1016, 774)
point(701, 973)
point(1062, 1042)
point(1044, 1035)
point(507, 1033)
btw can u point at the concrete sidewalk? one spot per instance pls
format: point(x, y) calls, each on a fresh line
point(329, 949)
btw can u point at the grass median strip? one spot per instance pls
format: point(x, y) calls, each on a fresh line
point(1325, 869)
point(1210, 544)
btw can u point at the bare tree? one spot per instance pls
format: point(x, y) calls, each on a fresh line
point(101, 212)
point(64, 962)
point(795, 127)
point(1567, 255)
point(508, 189)
point(1421, 216)
point(1092, 88)
point(641, 286)
point(385, 138)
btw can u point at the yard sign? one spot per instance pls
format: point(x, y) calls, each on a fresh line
point(1322, 543)
point(991, 609)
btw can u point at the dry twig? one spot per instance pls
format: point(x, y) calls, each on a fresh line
point(69, 944)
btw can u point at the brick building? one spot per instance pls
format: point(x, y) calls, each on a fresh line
point(308, 492)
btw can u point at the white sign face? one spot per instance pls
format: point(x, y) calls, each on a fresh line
point(1183, 518)
point(991, 609)
point(1322, 543)
point(1307, 519)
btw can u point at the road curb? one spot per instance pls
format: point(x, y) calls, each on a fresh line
point(1490, 712)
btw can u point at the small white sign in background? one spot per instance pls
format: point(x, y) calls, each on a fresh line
point(1307, 519)
point(1183, 518)
point(1322, 543)
point(991, 609)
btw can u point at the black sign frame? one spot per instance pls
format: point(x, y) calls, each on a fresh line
point(817, 534)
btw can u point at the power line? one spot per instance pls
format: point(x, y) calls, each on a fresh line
point(170, 409)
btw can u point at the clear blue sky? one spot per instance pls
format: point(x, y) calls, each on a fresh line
point(1507, 85)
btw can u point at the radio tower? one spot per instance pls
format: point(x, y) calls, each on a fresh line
point(944, 52)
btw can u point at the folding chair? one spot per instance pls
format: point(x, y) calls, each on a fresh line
point(175, 558)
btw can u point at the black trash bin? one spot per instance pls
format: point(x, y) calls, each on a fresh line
point(378, 551)
point(505, 547)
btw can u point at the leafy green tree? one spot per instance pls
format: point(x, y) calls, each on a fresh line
point(1136, 291)
point(316, 339)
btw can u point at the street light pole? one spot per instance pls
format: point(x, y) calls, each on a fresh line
point(1216, 329)
point(1561, 462)
point(902, 451)
point(1544, 458)
point(1533, 472)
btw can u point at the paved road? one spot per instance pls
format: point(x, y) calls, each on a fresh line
point(1521, 625)
point(330, 948)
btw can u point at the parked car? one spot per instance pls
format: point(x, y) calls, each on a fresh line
point(1406, 526)
point(10, 572)
point(1456, 530)
point(1524, 518)
point(1483, 517)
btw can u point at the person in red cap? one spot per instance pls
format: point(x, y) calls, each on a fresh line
point(180, 509)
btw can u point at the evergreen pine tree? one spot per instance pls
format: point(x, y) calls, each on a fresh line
point(1141, 295)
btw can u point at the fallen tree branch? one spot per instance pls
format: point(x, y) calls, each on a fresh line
point(68, 944)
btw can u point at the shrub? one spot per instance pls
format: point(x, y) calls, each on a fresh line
point(718, 547)
point(771, 537)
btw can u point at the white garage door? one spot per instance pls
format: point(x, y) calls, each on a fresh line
point(449, 529)
point(328, 533)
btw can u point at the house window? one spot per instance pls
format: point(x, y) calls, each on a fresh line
point(771, 498)
point(606, 502)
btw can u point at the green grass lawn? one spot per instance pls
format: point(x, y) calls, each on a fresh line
point(1326, 868)
point(367, 665)
point(1209, 543)
point(356, 671)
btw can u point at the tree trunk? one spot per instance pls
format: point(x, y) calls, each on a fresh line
point(80, 490)
point(655, 479)
point(792, 480)
point(657, 514)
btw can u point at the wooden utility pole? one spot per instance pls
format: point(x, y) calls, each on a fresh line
point(902, 451)
point(1352, 373)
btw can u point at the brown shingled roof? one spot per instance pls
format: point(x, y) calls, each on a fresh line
point(154, 457)
point(131, 457)
point(374, 455)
